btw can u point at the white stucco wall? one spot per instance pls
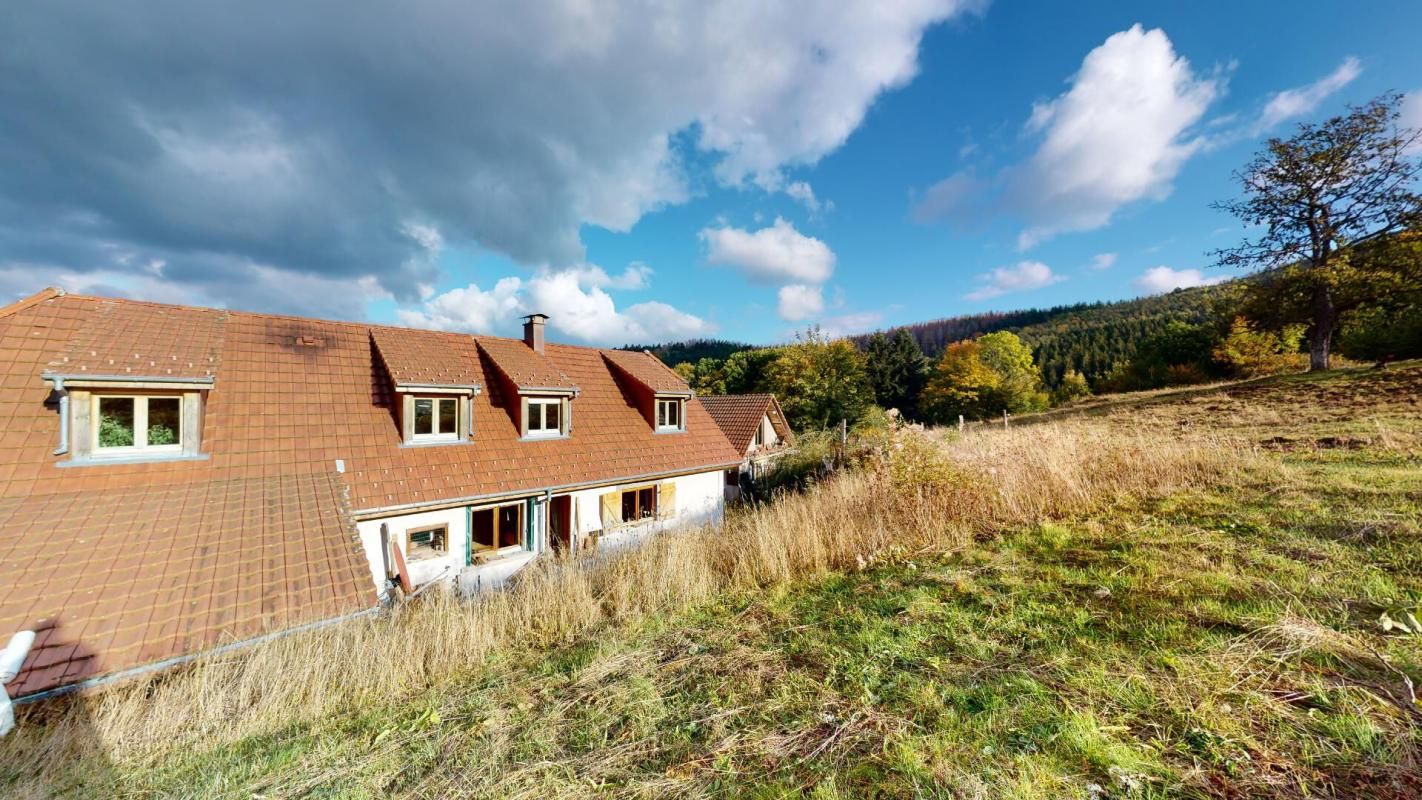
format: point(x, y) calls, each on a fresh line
point(700, 499)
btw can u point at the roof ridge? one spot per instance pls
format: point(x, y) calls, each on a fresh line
point(47, 293)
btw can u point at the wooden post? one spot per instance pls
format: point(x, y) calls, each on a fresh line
point(844, 431)
point(960, 423)
point(1004, 419)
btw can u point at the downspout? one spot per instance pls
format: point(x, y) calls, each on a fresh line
point(63, 415)
point(468, 536)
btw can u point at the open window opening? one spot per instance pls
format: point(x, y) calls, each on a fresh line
point(497, 528)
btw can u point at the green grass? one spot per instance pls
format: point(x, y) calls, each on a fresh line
point(1210, 643)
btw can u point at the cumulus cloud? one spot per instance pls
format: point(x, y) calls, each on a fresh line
point(1158, 280)
point(1020, 277)
point(850, 324)
point(184, 136)
point(1103, 261)
point(1302, 100)
point(799, 302)
point(1118, 135)
point(773, 254)
point(803, 193)
point(575, 299)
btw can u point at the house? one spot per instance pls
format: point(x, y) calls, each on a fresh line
point(174, 479)
point(756, 428)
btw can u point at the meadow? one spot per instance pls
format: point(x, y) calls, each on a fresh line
point(1201, 593)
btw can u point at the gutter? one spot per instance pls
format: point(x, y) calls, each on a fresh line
point(382, 511)
point(166, 663)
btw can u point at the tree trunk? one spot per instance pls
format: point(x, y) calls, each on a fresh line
point(1324, 318)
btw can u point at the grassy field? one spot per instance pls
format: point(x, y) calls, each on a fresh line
point(1167, 595)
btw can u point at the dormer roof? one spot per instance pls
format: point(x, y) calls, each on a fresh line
point(528, 371)
point(428, 359)
point(739, 415)
point(125, 340)
point(648, 371)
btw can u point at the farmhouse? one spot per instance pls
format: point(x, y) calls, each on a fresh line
point(756, 428)
point(174, 479)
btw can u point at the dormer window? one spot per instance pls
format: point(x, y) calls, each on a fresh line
point(436, 419)
point(544, 417)
point(130, 425)
point(670, 414)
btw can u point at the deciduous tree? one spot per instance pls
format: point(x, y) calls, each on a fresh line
point(1319, 199)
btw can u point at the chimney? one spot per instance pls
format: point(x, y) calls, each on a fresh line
point(533, 331)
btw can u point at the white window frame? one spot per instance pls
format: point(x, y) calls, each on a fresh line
point(671, 402)
point(436, 434)
point(541, 432)
point(140, 444)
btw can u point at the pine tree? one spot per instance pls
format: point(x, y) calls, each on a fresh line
point(897, 371)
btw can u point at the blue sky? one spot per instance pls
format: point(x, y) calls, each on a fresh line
point(653, 174)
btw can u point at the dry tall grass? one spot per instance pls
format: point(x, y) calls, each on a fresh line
point(917, 492)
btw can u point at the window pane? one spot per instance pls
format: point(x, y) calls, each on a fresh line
point(483, 533)
point(163, 420)
point(448, 409)
point(510, 534)
point(661, 414)
point(535, 417)
point(550, 416)
point(629, 506)
point(647, 500)
point(426, 544)
point(116, 422)
point(424, 416)
point(674, 414)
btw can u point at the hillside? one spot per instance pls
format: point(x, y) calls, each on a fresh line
point(1088, 337)
point(1177, 595)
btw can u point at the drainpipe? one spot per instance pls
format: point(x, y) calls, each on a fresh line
point(12, 659)
point(63, 415)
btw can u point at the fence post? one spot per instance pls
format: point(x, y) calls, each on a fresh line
point(960, 423)
point(1004, 419)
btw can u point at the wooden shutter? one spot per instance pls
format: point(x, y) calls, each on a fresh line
point(666, 499)
point(611, 509)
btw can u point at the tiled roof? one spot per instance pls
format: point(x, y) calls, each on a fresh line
point(523, 367)
point(739, 414)
point(142, 339)
point(177, 555)
point(647, 370)
point(427, 358)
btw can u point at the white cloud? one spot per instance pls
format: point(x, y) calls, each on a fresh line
point(1411, 112)
point(636, 276)
point(468, 310)
point(1103, 261)
point(1158, 280)
point(775, 254)
point(1302, 100)
point(1118, 135)
point(803, 193)
point(798, 302)
point(1020, 277)
point(576, 301)
point(517, 125)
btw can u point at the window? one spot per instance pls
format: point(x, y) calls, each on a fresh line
point(137, 424)
point(544, 417)
point(669, 417)
point(639, 504)
point(759, 435)
point(497, 528)
point(436, 418)
point(422, 543)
